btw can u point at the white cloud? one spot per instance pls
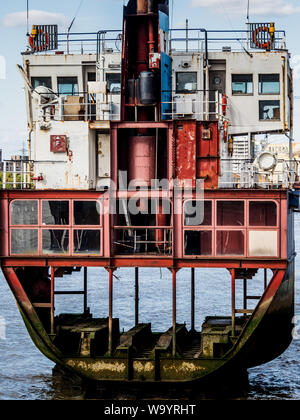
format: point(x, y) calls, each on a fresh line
point(295, 63)
point(37, 17)
point(257, 7)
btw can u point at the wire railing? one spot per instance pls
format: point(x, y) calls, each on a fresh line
point(17, 174)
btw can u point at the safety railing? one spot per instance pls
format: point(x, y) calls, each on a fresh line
point(201, 40)
point(243, 173)
point(143, 240)
point(17, 174)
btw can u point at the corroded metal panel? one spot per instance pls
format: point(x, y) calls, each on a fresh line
point(185, 137)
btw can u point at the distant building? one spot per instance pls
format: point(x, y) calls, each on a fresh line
point(16, 163)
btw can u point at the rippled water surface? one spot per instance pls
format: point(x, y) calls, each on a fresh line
point(26, 374)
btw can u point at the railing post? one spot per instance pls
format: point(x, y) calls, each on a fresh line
point(52, 309)
point(110, 319)
point(233, 302)
point(193, 299)
point(174, 311)
point(14, 175)
point(136, 296)
point(4, 176)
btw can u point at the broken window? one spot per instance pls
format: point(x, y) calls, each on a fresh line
point(230, 213)
point(55, 213)
point(86, 213)
point(198, 242)
point(113, 82)
point(242, 84)
point(67, 86)
point(269, 110)
point(24, 212)
point(55, 241)
point(41, 81)
point(24, 241)
point(262, 213)
point(186, 82)
point(198, 213)
point(87, 242)
point(269, 84)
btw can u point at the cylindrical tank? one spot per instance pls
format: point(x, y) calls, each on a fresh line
point(142, 155)
point(142, 6)
point(147, 83)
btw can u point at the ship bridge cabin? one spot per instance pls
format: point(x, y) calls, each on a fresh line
point(144, 152)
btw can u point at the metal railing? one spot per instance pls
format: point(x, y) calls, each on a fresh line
point(143, 240)
point(17, 174)
point(181, 40)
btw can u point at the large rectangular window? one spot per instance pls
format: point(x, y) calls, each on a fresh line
point(198, 242)
point(55, 213)
point(186, 82)
point(86, 213)
point(242, 84)
point(262, 213)
point(41, 81)
point(67, 86)
point(198, 213)
point(230, 243)
point(269, 84)
point(269, 110)
point(24, 242)
point(113, 82)
point(230, 213)
point(87, 242)
point(24, 212)
point(55, 241)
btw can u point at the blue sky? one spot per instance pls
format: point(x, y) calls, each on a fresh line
point(107, 14)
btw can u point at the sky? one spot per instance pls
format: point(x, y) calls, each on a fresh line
point(97, 15)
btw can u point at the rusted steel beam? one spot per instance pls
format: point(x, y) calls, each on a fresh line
point(193, 299)
point(52, 300)
point(245, 293)
point(110, 316)
point(85, 289)
point(265, 278)
point(136, 296)
point(233, 310)
point(174, 284)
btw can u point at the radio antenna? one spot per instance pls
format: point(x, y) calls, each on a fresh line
point(27, 17)
point(248, 22)
point(71, 24)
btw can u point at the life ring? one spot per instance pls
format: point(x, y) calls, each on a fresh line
point(266, 45)
point(224, 105)
point(43, 45)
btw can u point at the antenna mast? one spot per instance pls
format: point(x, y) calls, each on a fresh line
point(27, 17)
point(248, 23)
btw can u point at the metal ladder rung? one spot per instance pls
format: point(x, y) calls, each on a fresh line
point(69, 293)
point(253, 297)
point(244, 311)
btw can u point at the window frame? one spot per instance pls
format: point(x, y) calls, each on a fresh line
point(33, 78)
point(191, 92)
point(238, 93)
point(260, 84)
point(107, 81)
point(271, 119)
point(74, 93)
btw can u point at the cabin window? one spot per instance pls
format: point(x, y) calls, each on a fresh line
point(24, 212)
point(186, 82)
point(86, 213)
point(198, 242)
point(269, 110)
point(230, 243)
point(198, 213)
point(41, 81)
point(262, 213)
point(24, 241)
point(242, 84)
point(55, 213)
point(55, 241)
point(269, 84)
point(113, 82)
point(67, 86)
point(87, 242)
point(230, 213)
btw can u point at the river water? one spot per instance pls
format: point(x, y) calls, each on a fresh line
point(26, 374)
